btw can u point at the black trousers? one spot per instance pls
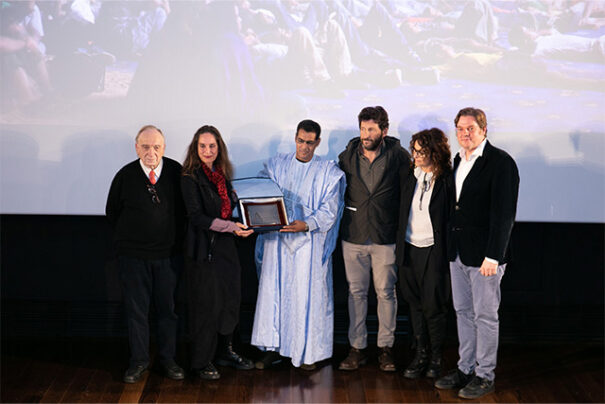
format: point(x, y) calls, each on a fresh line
point(424, 284)
point(213, 297)
point(142, 281)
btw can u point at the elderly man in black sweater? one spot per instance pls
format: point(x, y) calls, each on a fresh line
point(146, 211)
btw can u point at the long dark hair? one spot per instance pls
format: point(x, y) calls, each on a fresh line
point(435, 143)
point(192, 160)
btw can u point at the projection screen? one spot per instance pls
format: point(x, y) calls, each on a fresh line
point(79, 78)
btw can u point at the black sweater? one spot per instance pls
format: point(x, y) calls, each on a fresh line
point(142, 228)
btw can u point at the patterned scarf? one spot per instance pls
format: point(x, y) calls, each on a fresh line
point(218, 179)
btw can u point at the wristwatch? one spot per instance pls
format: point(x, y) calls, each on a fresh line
point(306, 227)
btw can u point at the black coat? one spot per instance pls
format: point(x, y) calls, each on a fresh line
point(203, 205)
point(483, 218)
point(439, 210)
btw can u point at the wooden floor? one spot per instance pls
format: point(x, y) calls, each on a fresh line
point(85, 370)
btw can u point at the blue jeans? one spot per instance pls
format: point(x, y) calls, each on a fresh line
point(476, 301)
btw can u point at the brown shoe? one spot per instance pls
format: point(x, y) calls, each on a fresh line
point(308, 367)
point(268, 359)
point(385, 359)
point(355, 359)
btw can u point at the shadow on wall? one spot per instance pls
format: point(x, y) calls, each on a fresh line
point(20, 170)
point(571, 192)
point(252, 144)
point(338, 140)
point(590, 145)
point(414, 123)
point(90, 161)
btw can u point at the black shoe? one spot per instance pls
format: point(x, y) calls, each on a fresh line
point(418, 365)
point(455, 379)
point(386, 363)
point(478, 387)
point(133, 374)
point(208, 373)
point(269, 359)
point(230, 358)
point(173, 371)
point(434, 370)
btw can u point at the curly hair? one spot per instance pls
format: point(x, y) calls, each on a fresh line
point(435, 143)
point(192, 160)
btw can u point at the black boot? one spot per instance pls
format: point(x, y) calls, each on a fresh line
point(209, 372)
point(434, 368)
point(228, 357)
point(437, 336)
point(420, 362)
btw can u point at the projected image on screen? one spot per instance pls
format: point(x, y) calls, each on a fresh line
point(58, 52)
point(79, 77)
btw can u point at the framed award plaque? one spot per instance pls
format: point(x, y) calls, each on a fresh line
point(261, 204)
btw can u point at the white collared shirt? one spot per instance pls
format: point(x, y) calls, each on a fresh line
point(157, 170)
point(465, 166)
point(462, 172)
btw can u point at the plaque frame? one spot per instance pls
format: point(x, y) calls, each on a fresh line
point(277, 215)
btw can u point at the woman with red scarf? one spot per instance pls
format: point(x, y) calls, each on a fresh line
point(212, 268)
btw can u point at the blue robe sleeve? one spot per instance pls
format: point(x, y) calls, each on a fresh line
point(331, 205)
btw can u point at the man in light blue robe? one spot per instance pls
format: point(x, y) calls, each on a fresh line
point(295, 306)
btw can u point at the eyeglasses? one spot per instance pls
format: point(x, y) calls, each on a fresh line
point(421, 152)
point(154, 194)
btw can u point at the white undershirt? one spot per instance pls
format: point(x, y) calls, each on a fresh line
point(420, 229)
point(465, 166)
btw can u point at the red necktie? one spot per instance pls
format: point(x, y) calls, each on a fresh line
point(152, 177)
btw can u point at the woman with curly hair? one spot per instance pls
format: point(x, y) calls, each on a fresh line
point(212, 268)
point(422, 250)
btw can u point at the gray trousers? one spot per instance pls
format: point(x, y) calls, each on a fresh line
point(476, 301)
point(361, 261)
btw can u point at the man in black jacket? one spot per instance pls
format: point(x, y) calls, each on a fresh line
point(487, 185)
point(372, 164)
point(145, 209)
